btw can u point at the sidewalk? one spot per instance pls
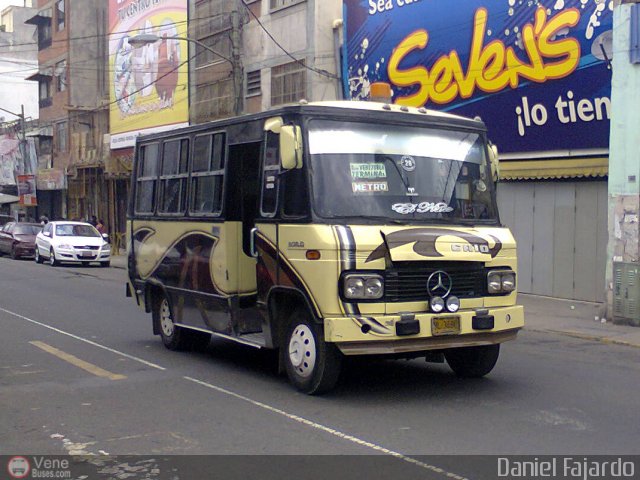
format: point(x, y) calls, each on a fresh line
point(547, 314)
point(574, 318)
point(119, 261)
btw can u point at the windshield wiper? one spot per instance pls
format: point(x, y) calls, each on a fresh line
point(405, 181)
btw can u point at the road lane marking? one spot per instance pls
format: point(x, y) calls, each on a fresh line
point(73, 360)
point(76, 337)
point(332, 431)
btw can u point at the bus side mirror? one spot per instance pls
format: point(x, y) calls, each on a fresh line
point(495, 164)
point(290, 147)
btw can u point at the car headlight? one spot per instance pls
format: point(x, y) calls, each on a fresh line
point(363, 286)
point(65, 246)
point(501, 281)
point(106, 246)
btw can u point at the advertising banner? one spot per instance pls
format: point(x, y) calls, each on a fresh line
point(51, 179)
point(148, 83)
point(27, 190)
point(538, 72)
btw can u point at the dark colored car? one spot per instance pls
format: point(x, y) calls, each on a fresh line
point(6, 219)
point(18, 239)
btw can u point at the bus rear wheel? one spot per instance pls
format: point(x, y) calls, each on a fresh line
point(313, 366)
point(173, 337)
point(473, 362)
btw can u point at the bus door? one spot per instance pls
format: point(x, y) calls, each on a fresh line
point(243, 187)
point(264, 235)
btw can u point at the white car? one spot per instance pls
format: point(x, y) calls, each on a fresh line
point(73, 242)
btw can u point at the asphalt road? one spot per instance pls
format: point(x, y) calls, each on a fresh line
point(81, 372)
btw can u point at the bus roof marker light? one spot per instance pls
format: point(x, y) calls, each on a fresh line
point(380, 92)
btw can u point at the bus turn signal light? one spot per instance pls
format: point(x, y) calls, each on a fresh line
point(313, 255)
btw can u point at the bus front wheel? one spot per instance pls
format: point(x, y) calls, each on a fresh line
point(312, 365)
point(473, 362)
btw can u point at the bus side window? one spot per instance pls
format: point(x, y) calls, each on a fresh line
point(173, 177)
point(207, 174)
point(146, 179)
point(270, 175)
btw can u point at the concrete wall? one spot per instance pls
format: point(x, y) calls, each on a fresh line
point(18, 60)
point(624, 159)
point(87, 55)
point(16, 91)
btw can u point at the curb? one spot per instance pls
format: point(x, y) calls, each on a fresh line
point(584, 336)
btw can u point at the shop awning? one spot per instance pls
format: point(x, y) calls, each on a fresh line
point(41, 132)
point(40, 17)
point(4, 198)
point(554, 168)
point(42, 74)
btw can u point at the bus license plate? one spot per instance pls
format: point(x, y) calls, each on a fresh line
point(445, 325)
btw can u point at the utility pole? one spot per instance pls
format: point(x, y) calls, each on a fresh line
point(23, 140)
point(235, 57)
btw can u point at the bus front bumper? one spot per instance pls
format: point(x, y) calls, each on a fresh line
point(379, 335)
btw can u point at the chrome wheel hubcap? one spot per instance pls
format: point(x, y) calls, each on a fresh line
point(302, 351)
point(166, 322)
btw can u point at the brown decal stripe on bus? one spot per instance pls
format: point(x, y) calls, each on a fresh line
point(347, 262)
point(425, 239)
point(142, 234)
point(267, 266)
point(186, 264)
point(289, 276)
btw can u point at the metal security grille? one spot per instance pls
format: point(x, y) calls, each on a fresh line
point(407, 281)
point(561, 232)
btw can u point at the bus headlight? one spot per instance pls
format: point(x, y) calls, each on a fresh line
point(436, 304)
point(508, 282)
point(501, 281)
point(363, 286)
point(453, 304)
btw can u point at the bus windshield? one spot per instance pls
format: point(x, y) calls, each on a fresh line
point(401, 173)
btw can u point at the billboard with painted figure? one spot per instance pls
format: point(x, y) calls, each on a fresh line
point(148, 83)
point(538, 72)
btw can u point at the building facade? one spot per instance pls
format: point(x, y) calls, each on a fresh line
point(73, 98)
point(271, 52)
point(623, 252)
point(18, 107)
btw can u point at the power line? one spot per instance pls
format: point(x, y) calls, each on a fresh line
point(319, 71)
point(102, 107)
point(86, 37)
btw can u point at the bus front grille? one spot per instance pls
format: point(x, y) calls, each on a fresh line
point(407, 281)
